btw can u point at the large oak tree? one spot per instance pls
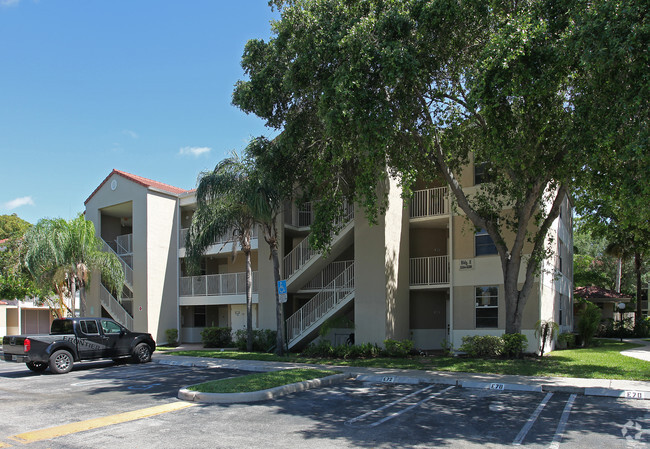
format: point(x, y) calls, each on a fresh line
point(419, 90)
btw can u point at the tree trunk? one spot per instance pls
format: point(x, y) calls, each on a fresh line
point(514, 298)
point(249, 302)
point(279, 341)
point(619, 270)
point(73, 295)
point(82, 298)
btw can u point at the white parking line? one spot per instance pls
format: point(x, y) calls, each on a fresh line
point(524, 430)
point(562, 425)
point(353, 420)
point(393, 415)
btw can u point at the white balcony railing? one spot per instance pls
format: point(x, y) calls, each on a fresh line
point(223, 239)
point(429, 270)
point(430, 202)
point(303, 252)
point(324, 301)
point(216, 284)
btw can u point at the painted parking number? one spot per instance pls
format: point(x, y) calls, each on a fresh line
point(143, 387)
point(634, 394)
point(497, 386)
point(389, 379)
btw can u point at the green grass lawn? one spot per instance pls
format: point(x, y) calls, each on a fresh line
point(602, 361)
point(261, 381)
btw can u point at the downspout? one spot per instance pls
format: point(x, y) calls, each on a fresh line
point(451, 270)
point(178, 269)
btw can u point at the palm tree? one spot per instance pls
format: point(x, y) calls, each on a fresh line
point(267, 206)
point(61, 254)
point(225, 199)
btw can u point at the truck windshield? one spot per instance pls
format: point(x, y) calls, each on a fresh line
point(62, 327)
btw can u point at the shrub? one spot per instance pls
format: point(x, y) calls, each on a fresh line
point(447, 347)
point(216, 337)
point(172, 337)
point(588, 323)
point(482, 346)
point(324, 349)
point(566, 340)
point(514, 345)
point(398, 348)
point(321, 349)
point(263, 339)
point(642, 328)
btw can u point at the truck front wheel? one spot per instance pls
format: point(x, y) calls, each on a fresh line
point(61, 362)
point(142, 353)
point(37, 367)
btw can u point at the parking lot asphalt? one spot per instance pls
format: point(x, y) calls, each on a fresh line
point(101, 404)
point(588, 387)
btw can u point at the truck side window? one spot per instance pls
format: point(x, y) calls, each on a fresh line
point(60, 327)
point(110, 327)
point(89, 327)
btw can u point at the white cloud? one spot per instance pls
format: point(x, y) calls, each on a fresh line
point(9, 2)
point(194, 151)
point(23, 201)
point(130, 133)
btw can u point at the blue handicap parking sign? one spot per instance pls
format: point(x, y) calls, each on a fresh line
point(282, 287)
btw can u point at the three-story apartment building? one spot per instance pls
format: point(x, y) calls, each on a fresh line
point(422, 272)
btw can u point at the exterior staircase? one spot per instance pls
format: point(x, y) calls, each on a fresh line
point(303, 263)
point(303, 325)
point(113, 306)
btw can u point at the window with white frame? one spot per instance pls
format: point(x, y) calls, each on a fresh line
point(487, 306)
point(483, 243)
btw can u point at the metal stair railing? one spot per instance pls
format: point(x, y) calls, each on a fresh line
point(128, 271)
point(324, 301)
point(114, 308)
point(303, 253)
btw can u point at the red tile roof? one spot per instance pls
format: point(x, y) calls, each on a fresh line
point(139, 180)
point(593, 292)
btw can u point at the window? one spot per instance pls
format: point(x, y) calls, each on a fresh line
point(487, 306)
point(484, 244)
point(482, 173)
point(89, 327)
point(199, 316)
point(111, 327)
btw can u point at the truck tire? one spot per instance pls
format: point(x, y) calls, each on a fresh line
point(142, 353)
point(61, 362)
point(37, 367)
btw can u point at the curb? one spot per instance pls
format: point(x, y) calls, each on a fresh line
point(262, 395)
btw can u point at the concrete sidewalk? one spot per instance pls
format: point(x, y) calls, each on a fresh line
point(597, 387)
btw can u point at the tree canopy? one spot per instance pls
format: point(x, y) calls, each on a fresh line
point(420, 90)
point(12, 226)
point(61, 254)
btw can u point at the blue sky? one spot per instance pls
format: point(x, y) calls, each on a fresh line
point(142, 86)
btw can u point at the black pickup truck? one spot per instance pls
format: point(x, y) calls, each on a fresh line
point(73, 339)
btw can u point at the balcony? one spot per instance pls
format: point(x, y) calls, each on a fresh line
point(221, 243)
point(429, 271)
point(227, 284)
point(430, 203)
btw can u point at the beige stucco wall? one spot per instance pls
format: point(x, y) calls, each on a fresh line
point(161, 307)
point(381, 304)
point(136, 194)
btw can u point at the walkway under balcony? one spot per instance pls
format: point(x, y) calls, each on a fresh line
point(227, 288)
